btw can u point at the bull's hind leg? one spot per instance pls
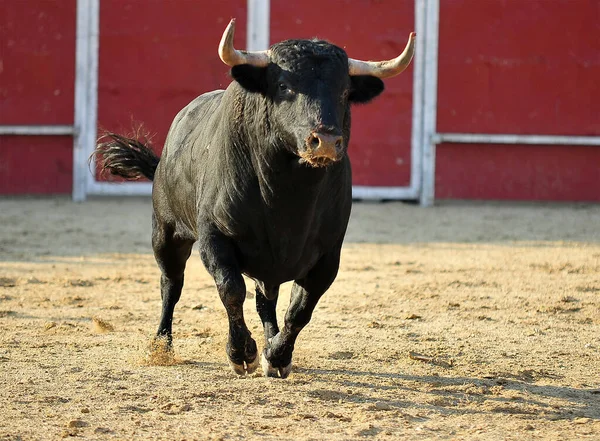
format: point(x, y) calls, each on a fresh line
point(276, 359)
point(171, 253)
point(219, 258)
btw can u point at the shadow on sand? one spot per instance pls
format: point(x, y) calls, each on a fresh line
point(531, 399)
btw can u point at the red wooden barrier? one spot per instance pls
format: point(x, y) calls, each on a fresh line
point(37, 77)
point(523, 67)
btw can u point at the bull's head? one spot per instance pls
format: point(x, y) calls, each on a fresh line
point(310, 85)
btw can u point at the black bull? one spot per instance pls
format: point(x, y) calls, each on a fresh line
point(258, 174)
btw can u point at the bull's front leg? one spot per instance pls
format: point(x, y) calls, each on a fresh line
point(266, 304)
point(276, 359)
point(218, 256)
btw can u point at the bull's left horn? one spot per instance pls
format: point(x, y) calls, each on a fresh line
point(385, 69)
point(232, 57)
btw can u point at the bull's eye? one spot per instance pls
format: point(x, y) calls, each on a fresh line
point(345, 94)
point(284, 89)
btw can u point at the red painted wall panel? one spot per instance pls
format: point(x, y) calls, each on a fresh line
point(525, 67)
point(36, 164)
point(369, 30)
point(535, 173)
point(156, 56)
point(513, 66)
point(37, 74)
point(37, 63)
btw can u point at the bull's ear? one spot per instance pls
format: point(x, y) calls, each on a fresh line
point(364, 88)
point(251, 78)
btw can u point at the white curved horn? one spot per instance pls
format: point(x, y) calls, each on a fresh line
point(385, 69)
point(232, 57)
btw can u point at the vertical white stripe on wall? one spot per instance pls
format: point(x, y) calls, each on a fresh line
point(81, 90)
point(86, 94)
point(257, 29)
point(416, 142)
point(430, 102)
point(92, 128)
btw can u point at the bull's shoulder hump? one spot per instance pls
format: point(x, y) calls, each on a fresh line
point(200, 106)
point(190, 118)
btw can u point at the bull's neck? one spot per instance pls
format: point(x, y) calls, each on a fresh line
point(280, 175)
point(284, 180)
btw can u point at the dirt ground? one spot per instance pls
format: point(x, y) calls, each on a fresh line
point(464, 321)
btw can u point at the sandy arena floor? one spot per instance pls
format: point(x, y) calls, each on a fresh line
point(465, 321)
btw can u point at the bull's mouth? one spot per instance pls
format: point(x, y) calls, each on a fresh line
point(316, 161)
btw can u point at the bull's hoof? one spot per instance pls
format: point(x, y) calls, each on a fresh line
point(251, 367)
point(274, 372)
point(245, 368)
point(244, 359)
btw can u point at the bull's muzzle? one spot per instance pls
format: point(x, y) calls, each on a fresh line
point(322, 149)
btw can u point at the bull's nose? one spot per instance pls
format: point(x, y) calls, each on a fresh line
point(325, 145)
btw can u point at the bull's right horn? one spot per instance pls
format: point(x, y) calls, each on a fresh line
point(232, 57)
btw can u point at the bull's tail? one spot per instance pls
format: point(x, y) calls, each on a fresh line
point(128, 158)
